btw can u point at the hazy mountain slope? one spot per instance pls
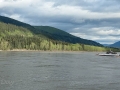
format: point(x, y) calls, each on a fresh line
point(105, 44)
point(116, 45)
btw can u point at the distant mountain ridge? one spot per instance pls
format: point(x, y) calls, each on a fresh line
point(50, 32)
point(116, 45)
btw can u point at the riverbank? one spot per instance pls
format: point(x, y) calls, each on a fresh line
point(46, 51)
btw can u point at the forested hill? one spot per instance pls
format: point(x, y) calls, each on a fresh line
point(57, 34)
point(50, 32)
point(18, 35)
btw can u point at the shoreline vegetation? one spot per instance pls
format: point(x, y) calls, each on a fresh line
point(47, 50)
point(42, 51)
point(87, 48)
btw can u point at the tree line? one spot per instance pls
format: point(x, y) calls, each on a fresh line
point(37, 43)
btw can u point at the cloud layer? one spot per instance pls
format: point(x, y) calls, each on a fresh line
point(98, 20)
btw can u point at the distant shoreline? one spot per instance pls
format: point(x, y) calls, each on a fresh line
point(52, 51)
point(41, 50)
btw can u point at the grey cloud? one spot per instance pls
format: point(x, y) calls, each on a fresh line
point(92, 5)
point(37, 14)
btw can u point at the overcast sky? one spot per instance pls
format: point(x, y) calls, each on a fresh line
point(97, 20)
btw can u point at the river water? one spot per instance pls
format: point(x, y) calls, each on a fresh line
point(58, 71)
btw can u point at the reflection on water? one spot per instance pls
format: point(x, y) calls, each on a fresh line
point(58, 71)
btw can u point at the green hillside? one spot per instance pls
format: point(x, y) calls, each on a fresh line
point(18, 35)
point(8, 20)
point(50, 32)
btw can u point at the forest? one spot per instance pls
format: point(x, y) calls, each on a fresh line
point(17, 37)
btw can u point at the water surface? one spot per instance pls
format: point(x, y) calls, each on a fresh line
point(58, 71)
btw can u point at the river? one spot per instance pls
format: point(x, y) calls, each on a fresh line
point(36, 70)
